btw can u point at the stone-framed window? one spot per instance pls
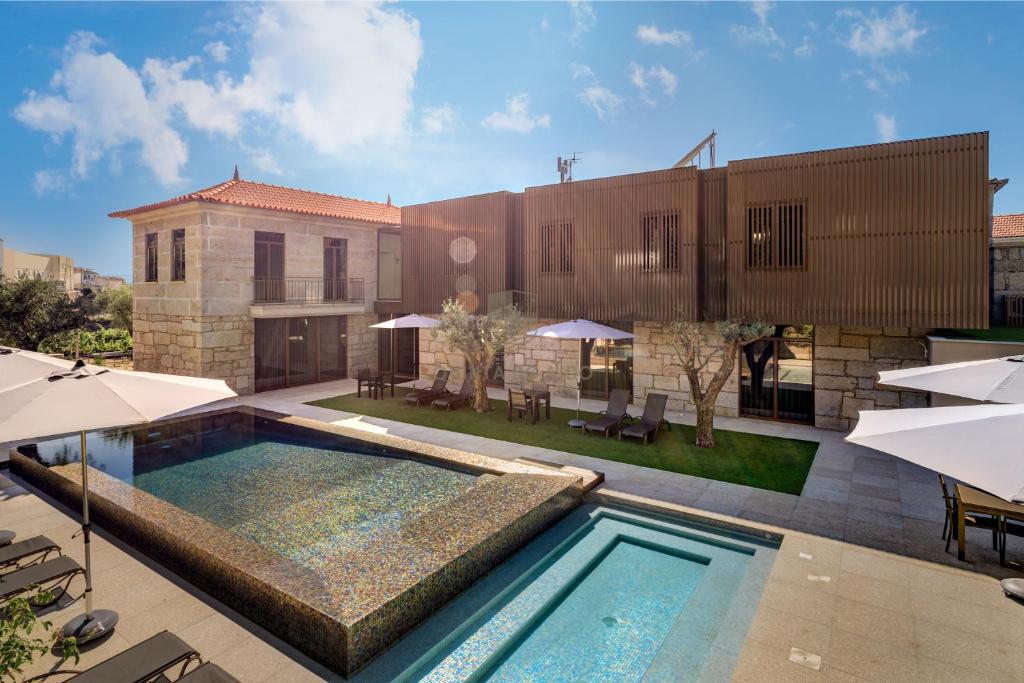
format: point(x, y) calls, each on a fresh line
point(151, 256)
point(178, 254)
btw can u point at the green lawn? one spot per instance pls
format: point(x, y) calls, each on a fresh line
point(762, 461)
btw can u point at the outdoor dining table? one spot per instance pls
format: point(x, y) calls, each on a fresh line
point(970, 499)
point(375, 381)
point(539, 396)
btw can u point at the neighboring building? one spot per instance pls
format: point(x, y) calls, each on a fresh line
point(15, 264)
point(1007, 259)
point(87, 278)
point(856, 254)
point(260, 285)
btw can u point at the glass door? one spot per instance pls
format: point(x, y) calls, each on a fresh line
point(333, 337)
point(301, 351)
point(777, 376)
point(607, 364)
point(335, 268)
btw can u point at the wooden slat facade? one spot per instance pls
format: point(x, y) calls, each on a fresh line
point(891, 234)
point(460, 248)
point(895, 235)
point(611, 279)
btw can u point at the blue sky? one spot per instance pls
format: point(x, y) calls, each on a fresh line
point(110, 106)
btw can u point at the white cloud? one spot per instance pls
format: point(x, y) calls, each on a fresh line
point(886, 126)
point(50, 182)
point(878, 78)
point(762, 33)
point(643, 78)
point(310, 68)
point(217, 50)
point(581, 71)
point(652, 35)
point(583, 19)
point(437, 120)
point(263, 159)
point(875, 36)
point(516, 117)
point(805, 49)
point(545, 24)
point(602, 100)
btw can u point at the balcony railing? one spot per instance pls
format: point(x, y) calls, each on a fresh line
point(307, 290)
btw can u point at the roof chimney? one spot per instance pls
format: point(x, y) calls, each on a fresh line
point(235, 176)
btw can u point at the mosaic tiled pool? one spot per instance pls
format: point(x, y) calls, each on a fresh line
point(608, 594)
point(299, 493)
point(337, 540)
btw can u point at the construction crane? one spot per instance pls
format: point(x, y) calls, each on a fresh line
point(695, 153)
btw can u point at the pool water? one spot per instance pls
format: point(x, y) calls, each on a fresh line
point(304, 494)
point(607, 594)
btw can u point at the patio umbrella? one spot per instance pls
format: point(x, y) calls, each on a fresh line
point(1000, 380)
point(18, 366)
point(88, 397)
point(980, 445)
point(579, 329)
point(404, 323)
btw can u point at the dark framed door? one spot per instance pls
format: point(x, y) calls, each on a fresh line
point(293, 351)
point(268, 267)
point(607, 364)
point(335, 268)
point(399, 351)
point(777, 377)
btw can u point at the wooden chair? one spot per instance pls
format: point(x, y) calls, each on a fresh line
point(521, 405)
point(978, 521)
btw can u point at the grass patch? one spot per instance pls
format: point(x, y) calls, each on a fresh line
point(1003, 334)
point(765, 462)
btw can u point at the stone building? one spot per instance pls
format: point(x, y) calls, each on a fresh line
point(1007, 266)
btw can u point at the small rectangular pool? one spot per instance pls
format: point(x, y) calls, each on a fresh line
point(608, 594)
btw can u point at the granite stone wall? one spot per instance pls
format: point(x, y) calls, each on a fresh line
point(1007, 273)
point(847, 361)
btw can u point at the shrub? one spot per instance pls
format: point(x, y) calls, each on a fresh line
point(87, 343)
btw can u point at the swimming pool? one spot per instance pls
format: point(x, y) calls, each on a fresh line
point(608, 594)
point(302, 494)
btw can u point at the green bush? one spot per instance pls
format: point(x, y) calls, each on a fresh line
point(88, 343)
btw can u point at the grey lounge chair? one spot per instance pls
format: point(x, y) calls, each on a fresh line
point(649, 425)
point(14, 553)
point(459, 399)
point(611, 418)
point(146, 661)
point(60, 570)
point(208, 673)
point(438, 389)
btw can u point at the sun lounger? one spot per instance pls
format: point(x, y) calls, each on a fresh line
point(459, 399)
point(438, 389)
point(144, 662)
point(14, 553)
point(44, 575)
point(208, 673)
point(611, 419)
point(649, 425)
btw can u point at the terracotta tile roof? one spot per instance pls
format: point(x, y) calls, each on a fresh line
point(274, 197)
point(1008, 225)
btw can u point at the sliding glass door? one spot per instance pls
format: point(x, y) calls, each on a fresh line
point(607, 364)
point(293, 351)
point(777, 376)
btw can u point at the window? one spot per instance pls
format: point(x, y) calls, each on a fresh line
point(178, 255)
point(151, 258)
point(775, 236)
point(661, 241)
point(268, 269)
point(556, 245)
point(389, 266)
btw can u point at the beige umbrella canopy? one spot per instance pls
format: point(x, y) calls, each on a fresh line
point(18, 366)
point(87, 397)
point(999, 380)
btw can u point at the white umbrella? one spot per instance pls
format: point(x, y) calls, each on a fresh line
point(1000, 380)
point(980, 445)
point(404, 323)
point(18, 366)
point(90, 397)
point(579, 329)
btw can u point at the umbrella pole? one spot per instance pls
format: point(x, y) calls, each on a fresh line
point(578, 423)
point(92, 624)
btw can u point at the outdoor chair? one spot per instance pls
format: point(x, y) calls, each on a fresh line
point(458, 399)
point(978, 521)
point(650, 423)
point(612, 418)
point(14, 553)
point(60, 570)
point(520, 404)
point(146, 661)
point(207, 673)
point(1007, 528)
point(438, 389)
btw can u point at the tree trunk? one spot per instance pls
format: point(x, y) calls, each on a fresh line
point(705, 424)
point(481, 402)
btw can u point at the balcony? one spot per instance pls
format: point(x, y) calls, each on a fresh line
point(285, 296)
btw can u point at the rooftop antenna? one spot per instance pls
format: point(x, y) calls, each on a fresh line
point(565, 168)
point(695, 153)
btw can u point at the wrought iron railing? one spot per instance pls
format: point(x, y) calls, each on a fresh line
point(307, 290)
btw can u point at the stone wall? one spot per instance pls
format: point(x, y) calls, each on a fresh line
point(1007, 273)
point(362, 342)
point(847, 361)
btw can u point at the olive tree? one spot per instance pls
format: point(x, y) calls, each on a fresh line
point(479, 337)
point(698, 354)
